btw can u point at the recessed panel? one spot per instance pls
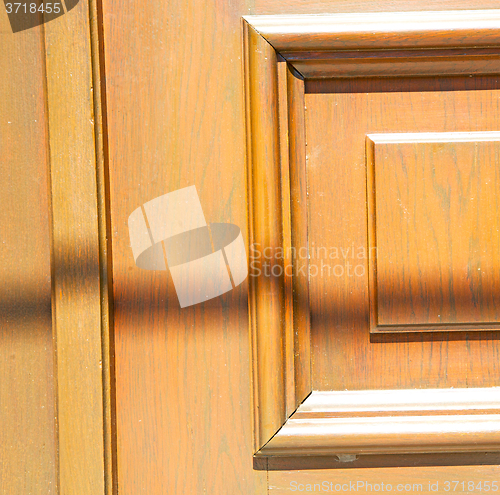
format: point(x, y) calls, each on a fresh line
point(434, 231)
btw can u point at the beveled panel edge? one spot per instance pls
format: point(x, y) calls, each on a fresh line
point(371, 219)
point(291, 92)
point(438, 327)
point(405, 65)
point(289, 354)
point(391, 422)
point(353, 461)
point(105, 246)
point(299, 234)
point(405, 401)
point(399, 138)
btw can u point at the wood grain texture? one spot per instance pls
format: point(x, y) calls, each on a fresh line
point(383, 435)
point(176, 117)
point(165, 130)
point(289, 347)
point(400, 403)
point(402, 461)
point(76, 289)
point(343, 355)
point(392, 421)
point(166, 133)
point(314, 436)
point(28, 452)
point(401, 84)
point(438, 190)
point(385, 44)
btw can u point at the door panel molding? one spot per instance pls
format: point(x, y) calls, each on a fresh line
point(385, 43)
point(274, 383)
point(280, 51)
point(390, 422)
point(378, 30)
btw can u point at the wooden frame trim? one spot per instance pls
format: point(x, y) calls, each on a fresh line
point(276, 386)
point(469, 43)
point(386, 44)
point(105, 254)
point(391, 422)
point(79, 254)
point(379, 30)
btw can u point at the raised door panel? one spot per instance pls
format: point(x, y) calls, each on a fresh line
point(395, 251)
point(433, 214)
point(327, 170)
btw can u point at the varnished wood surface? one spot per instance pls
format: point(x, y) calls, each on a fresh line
point(404, 64)
point(104, 231)
point(298, 227)
point(175, 93)
point(279, 299)
point(28, 459)
point(343, 355)
point(166, 133)
point(314, 436)
point(385, 44)
point(173, 138)
point(377, 461)
point(400, 402)
point(401, 84)
point(382, 435)
point(289, 337)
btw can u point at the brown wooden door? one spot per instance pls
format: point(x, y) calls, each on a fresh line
point(251, 247)
point(358, 151)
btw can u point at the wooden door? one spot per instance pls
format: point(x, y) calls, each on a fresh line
point(358, 151)
point(354, 148)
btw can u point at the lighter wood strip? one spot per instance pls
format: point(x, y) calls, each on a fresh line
point(265, 218)
point(76, 285)
point(380, 30)
point(390, 422)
